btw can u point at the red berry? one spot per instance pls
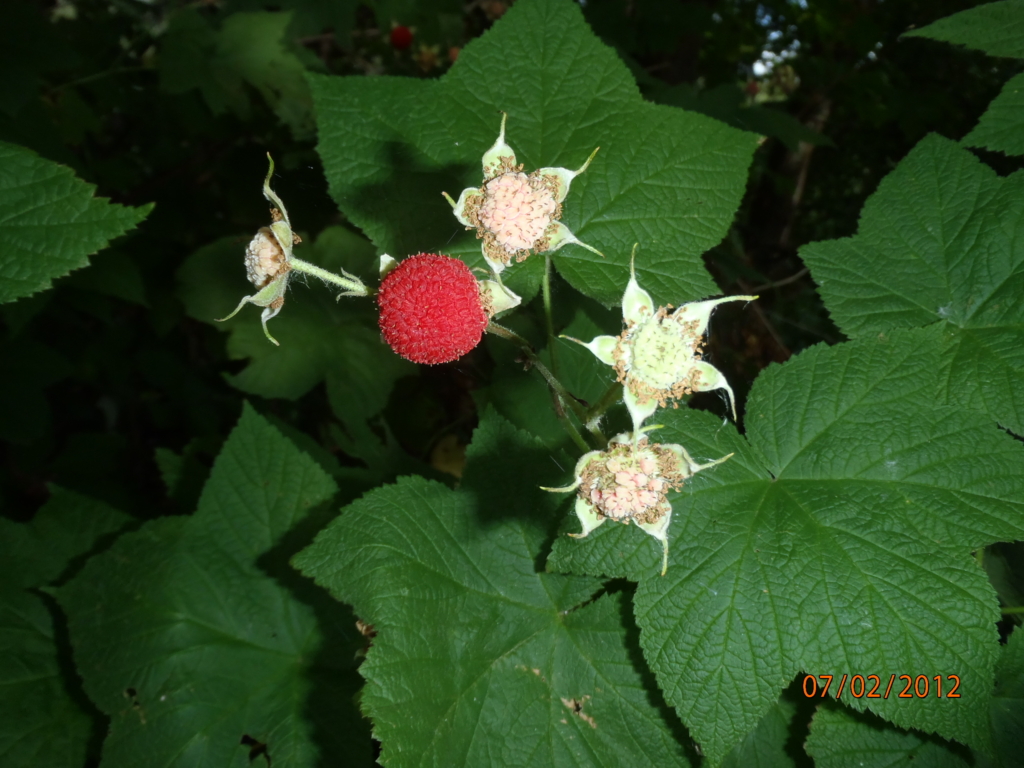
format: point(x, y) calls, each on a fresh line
point(430, 309)
point(401, 38)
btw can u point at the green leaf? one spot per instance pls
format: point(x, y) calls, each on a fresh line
point(193, 637)
point(836, 541)
point(1007, 706)
point(1001, 128)
point(478, 658)
point(41, 722)
point(249, 50)
point(668, 179)
point(309, 17)
point(765, 746)
point(41, 725)
point(321, 339)
point(66, 527)
point(50, 223)
point(843, 739)
point(995, 28)
point(941, 241)
point(252, 45)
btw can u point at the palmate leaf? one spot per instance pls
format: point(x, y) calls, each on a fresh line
point(941, 242)
point(192, 635)
point(50, 223)
point(478, 658)
point(41, 722)
point(836, 541)
point(668, 179)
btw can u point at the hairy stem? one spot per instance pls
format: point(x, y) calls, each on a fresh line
point(549, 322)
point(566, 422)
point(353, 286)
point(611, 396)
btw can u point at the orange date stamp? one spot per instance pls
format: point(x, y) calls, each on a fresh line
point(869, 686)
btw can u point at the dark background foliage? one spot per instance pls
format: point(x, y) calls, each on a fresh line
point(106, 368)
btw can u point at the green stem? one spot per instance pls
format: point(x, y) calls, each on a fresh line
point(564, 398)
point(353, 286)
point(555, 384)
point(546, 292)
point(611, 396)
point(1015, 609)
point(979, 556)
point(567, 425)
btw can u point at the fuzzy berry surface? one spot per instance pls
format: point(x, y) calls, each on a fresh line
point(430, 309)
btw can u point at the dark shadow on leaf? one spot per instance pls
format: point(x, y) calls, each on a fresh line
point(650, 684)
point(416, 221)
point(340, 732)
point(800, 725)
point(65, 660)
point(100, 723)
point(504, 474)
point(876, 723)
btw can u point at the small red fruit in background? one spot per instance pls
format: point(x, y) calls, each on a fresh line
point(401, 37)
point(430, 309)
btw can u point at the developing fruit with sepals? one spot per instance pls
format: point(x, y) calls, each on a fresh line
point(515, 213)
point(269, 263)
point(657, 358)
point(630, 481)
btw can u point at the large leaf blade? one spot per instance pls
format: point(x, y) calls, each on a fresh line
point(478, 658)
point(812, 550)
point(50, 223)
point(666, 178)
point(214, 655)
point(940, 242)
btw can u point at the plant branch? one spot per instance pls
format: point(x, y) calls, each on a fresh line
point(554, 383)
point(565, 398)
point(549, 322)
point(611, 396)
point(779, 283)
point(353, 285)
point(567, 425)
